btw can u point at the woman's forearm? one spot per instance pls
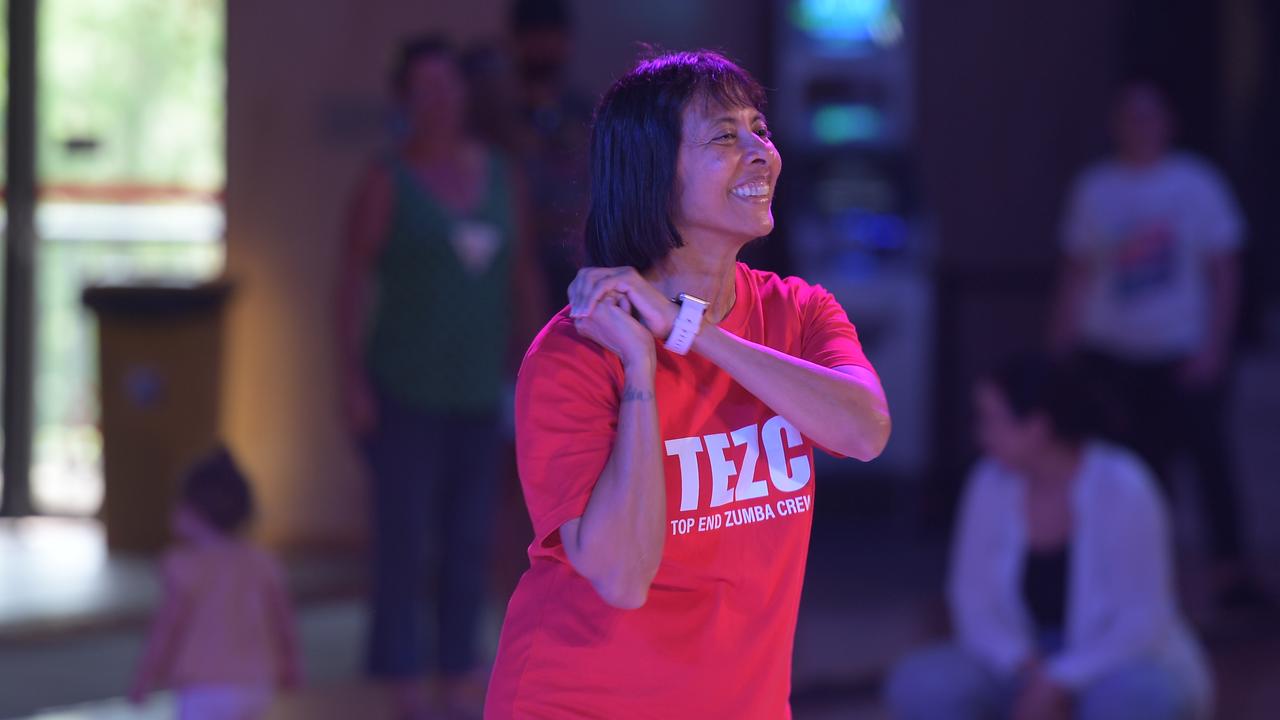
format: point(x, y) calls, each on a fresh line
point(617, 543)
point(844, 412)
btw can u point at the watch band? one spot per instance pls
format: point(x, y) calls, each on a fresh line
point(688, 323)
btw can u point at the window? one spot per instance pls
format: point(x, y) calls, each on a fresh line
point(130, 153)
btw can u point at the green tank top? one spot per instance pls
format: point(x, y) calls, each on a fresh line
point(439, 326)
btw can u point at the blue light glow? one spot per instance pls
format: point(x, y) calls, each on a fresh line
point(847, 123)
point(849, 23)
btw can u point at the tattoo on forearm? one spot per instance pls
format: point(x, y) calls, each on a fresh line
point(630, 393)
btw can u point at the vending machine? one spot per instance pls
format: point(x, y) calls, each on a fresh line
point(843, 114)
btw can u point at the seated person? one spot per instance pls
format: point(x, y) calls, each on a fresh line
point(1061, 585)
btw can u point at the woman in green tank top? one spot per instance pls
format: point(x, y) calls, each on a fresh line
point(432, 289)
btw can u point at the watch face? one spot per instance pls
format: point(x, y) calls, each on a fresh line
point(693, 298)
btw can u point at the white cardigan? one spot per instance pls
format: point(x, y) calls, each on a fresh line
point(1121, 605)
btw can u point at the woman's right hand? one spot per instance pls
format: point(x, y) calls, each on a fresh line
point(593, 284)
point(611, 324)
point(359, 404)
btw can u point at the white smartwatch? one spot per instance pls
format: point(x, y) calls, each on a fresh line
point(688, 323)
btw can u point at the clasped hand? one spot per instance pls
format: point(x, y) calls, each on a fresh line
point(621, 310)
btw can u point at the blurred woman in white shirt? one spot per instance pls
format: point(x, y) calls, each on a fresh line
point(1061, 584)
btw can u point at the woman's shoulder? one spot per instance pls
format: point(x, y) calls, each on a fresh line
point(1118, 473)
point(559, 344)
point(559, 336)
point(770, 282)
point(772, 288)
point(1191, 167)
point(988, 477)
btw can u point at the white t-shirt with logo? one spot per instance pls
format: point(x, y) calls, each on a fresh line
point(1146, 234)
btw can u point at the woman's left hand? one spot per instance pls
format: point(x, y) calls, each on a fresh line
point(655, 310)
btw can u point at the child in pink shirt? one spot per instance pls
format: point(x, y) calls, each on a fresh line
point(223, 637)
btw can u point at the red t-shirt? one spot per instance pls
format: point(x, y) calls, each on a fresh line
point(714, 638)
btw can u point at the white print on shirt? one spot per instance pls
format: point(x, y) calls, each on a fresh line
point(787, 474)
point(742, 515)
point(476, 244)
point(1145, 260)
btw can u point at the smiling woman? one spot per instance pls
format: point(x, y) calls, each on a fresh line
point(665, 446)
point(636, 168)
point(735, 193)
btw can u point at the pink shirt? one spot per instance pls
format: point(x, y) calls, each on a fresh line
point(228, 626)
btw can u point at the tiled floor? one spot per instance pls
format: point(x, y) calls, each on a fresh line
point(331, 633)
point(72, 617)
point(57, 575)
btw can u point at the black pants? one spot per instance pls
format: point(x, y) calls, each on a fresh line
point(1146, 408)
point(433, 482)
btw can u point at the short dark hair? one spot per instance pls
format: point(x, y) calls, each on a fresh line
point(635, 141)
point(529, 15)
point(1034, 383)
point(216, 490)
point(419, 47)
